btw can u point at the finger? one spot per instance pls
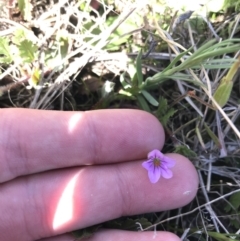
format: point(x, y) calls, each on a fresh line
point(32, 141)
point(109, 235)
point(65, 200)
point(119, 235)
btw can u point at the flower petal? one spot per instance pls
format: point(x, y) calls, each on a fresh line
point(166, 173)
point(149, 165)
point(154, 170)
point(154, 175)
point(154, 154)
point(169, 162)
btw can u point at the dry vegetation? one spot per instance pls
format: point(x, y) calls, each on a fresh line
point(67, 55)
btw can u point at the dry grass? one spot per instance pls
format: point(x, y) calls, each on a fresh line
point(81, 56)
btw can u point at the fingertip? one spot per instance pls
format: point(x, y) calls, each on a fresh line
point(185, 178)
point(165, 194)
point(121, 235)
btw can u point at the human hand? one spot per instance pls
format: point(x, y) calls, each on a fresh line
point(62, 171)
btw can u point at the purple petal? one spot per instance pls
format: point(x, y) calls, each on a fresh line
point(149, 165)
point(166, 173)
point(154, 175)
point(154, 154)
point(155, 171)
point(169, 162)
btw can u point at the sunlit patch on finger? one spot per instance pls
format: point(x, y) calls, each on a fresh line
point(64, 210)
point(74, 120)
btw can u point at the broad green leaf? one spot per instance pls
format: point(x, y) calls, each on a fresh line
point(223, 92)
point(235, 200)
point(139, 68)
point(149, 98)
point(22, 34)
point(19, 36)
point(5, 51)
point(28, 51)
point(143, 103)
point(123, 81)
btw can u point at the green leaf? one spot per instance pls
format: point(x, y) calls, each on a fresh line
point(135, 80)
point(162, 107)
point(235, 200)
point(223, 237)
point(212, 135)
point(185, 151)
point(163, 112)
point(123, 81)
point(203, 48)
point(186, 77)
point(119, 37)
point(64, 45)
point(159, 78)
point(35, 77)
point(149, 98)
point(5, 51)
point(172, 64)
point(214, 53)
point(156, 79)
point(25, 8)
point(223, 92)
point(20, 35)
point(143, 103)
point(209, 50)
point(139, 68)
point(28, 51)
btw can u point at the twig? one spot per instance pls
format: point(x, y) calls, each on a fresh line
point(194, 210)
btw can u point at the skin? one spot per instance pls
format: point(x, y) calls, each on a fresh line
point(62, 171)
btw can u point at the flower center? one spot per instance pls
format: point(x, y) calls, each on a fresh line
point(156, 162)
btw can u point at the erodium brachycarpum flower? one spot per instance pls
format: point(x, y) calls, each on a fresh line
point(158, 166)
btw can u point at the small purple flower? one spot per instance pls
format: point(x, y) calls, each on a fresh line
point(158, 165)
